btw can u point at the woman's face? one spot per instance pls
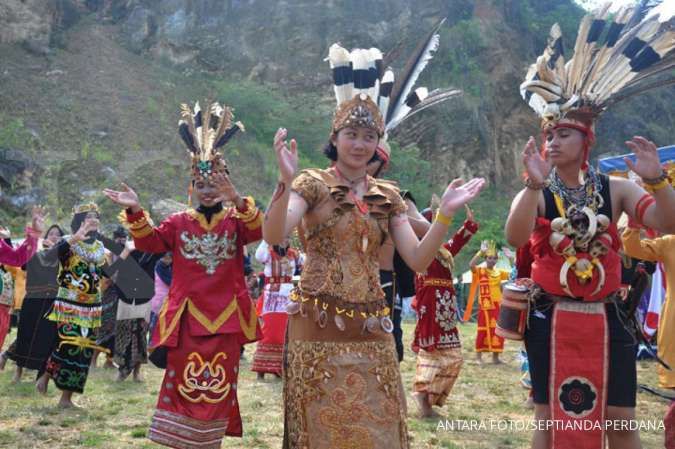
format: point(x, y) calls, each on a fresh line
point(207, 193)
point(564, 146)
point(91, 219)
point(355, 146)
point(53, 236)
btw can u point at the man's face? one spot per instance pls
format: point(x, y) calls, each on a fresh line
point(207, 193)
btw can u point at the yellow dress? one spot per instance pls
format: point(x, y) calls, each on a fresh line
point(662, 250)
point(342, 385)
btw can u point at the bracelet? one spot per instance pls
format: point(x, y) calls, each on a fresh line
point(535, 185)
point(657, 180)
point(442, 218)
point(651, 188)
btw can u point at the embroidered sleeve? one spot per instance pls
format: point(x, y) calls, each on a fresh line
point(309, 188)
point(146, 237)
point(462, 236)
point(250, 221)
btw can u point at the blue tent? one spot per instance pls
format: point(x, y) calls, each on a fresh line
point(615, 164)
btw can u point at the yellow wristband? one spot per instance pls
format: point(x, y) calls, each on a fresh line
point(651, 188)
point(443, 219)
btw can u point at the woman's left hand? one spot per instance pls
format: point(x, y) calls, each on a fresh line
point(647, 164)
point(459, 193)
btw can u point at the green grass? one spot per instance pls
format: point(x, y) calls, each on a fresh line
point(116, 415)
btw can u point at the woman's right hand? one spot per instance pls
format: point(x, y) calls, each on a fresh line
point(536, 166)
point(287, 158)
point(126, 198)
point(81, 233)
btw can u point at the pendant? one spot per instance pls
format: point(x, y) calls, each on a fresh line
point(364, 242)
point(340, 322)
point(386, 324)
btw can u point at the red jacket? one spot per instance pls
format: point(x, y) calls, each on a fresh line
point(208, 281)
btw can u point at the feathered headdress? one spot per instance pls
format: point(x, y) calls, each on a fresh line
point(203, 133)
point(369, 96)
point(615, 56)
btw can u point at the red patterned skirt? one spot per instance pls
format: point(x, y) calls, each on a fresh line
point(269, 350)
point(197, 404)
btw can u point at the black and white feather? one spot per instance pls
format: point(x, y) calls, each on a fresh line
point(615, 57)
point(205, 131)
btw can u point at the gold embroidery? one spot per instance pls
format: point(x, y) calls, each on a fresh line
point(209, 250)
point(207, 378)
point(212, 326)
point(252, 217)
point(311, 372)
point(344, 417)
point(207, 226)
point(249, 329)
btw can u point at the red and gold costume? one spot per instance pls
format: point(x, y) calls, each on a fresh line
point(208, 315)
point(436, 340)
point(488, 282)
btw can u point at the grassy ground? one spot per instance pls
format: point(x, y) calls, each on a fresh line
point(117, 415)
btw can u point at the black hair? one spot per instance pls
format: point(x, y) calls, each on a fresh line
point(330, 151)
point(120, 232)
point(77, 221)
point(54, 226)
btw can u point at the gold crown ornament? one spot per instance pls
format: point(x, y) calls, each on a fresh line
point(85, 208)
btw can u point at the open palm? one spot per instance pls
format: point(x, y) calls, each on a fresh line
point(125, 198)
point(459, 193)
point(536, 166)
point(287, 158)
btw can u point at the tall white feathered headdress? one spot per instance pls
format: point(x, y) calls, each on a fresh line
point(370, 96)
point(615, 57)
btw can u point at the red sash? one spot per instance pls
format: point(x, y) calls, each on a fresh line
point(578, 379)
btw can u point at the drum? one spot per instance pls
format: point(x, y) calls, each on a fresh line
point(513, 312)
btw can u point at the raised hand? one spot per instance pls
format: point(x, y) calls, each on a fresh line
point(459, 193)
point(536, 166)
point(647, 164)
point(225, 187)
point(5, 233)
point(82, 232)
point(484, 246)
point(38, 218)
point(287, 158)
point(125, 198)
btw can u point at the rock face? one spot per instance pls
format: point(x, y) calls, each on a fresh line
point(106, 96)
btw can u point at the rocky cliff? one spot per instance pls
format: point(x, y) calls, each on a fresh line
point(90, 88)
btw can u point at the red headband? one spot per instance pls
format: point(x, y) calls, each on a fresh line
point(588, 141)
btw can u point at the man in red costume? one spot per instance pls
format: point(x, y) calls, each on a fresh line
point(208, 314)
point(581, 353)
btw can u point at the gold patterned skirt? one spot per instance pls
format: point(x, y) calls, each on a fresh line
point(342, 388)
